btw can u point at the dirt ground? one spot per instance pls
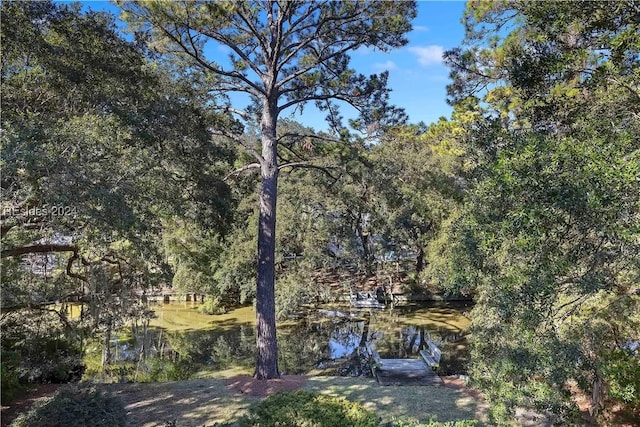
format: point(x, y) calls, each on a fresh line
point(245, 384)
point(10, 412)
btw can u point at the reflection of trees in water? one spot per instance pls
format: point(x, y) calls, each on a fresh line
point(331, 342)
point(317, 345)
point(301, 346)
point(403, 343)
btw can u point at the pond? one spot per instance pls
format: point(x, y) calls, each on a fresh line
point(320, 340)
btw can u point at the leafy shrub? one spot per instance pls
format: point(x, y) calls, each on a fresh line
point(44, 354)
point(10, 387)
point(409, 422)
point(622, 374)
point(306, 409)
point(212, 305)
point(163, 370)
point(73, 406)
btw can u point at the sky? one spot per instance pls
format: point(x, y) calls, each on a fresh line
point(417, 75)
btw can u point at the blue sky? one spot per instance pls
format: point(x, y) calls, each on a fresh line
point(417, 76)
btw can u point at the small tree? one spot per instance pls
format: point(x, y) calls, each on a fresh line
point(282, 55)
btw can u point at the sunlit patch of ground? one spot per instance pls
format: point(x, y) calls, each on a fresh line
point(225, 399)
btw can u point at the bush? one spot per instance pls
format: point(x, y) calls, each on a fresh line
point(10, 387)
point(73, 406)
point(414, 423)
point(163, 370)
point(306, 409)
point(43, 354)
point(622, 374)
point(212, 305)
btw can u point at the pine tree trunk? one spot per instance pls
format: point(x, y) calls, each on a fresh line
point(266, 341)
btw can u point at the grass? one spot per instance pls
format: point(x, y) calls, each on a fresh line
point(188, 403)
point(421, 403)
point(206, 402)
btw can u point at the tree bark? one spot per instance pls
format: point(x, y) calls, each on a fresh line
point(266, 340)
point(106, 348)
point(420, 260)
point(38, 249)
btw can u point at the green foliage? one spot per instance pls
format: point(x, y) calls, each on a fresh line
point(235, 272)
point(163, 370)
point(293, 291)
point(39, 349)
point(306, 409)
point(418, 172)
point(192, 251)
point(622, 375)
point(100, 145)
point(548, 239)
point(212, 305)
point(10, 385)
point(408, 422)
point(75, 407)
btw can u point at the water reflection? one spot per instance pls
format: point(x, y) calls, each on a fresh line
point(323, 341)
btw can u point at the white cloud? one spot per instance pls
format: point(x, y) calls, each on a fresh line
point(388, 65)
point(428, 55)
point(420, 28)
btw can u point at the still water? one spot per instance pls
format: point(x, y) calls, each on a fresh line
point(321, 340)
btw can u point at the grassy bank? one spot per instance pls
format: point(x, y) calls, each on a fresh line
point(207, 402)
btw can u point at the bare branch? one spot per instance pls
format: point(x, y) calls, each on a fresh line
point(242, 169)
point(70, 273)
point(308, 165)
point(241, 142)
point(229, 109)
point(251, 88)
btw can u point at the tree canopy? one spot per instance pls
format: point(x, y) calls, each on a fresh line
point(552, 221)
point(98, 147)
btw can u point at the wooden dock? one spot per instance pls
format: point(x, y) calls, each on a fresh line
point(402, 371)
point(406, 372)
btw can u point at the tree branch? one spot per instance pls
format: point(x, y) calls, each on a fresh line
point(319, 61)
point(242, 169)
point(251, 88)
point(70, 265)
point(241, 142)
point(38, 249)
point(318, 97)
point(307, 165)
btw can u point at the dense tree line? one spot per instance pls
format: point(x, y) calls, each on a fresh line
point(549, 233)
point(101, 147)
